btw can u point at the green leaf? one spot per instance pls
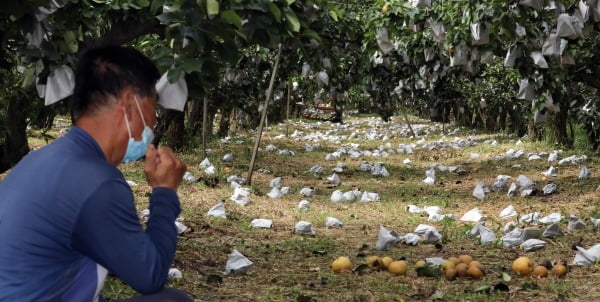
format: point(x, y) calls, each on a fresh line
point(311, 34)
point(28, 77)
point(70, 37)
point(143, 3)
point(73, 47)
point(429, 271)
point(165, 18)
point(156, 6)
point(275, 11)
point(231, 17)
point(485, 288)
point(333, 15)
point(289, 2)
point(191, 65)
point(506, 277)
point(174, 74)
point(212, 7)
point(292, 20)
point(63, 47)
point(530, 286)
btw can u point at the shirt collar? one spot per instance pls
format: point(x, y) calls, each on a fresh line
point(85, 140)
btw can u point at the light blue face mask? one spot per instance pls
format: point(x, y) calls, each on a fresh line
point(137, 149)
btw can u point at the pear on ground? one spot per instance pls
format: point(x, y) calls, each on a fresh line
point(398, 268)
point(461, 269)
point(466, 259)
point(559, 270)
point(450, 273)
point(341, 264)
point(447, 264)
point(373, 262)
point(385, 262)
point(522, 266)
point(540, 271)
point(454, 260)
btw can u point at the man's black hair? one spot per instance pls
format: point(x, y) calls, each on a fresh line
point(107, 71)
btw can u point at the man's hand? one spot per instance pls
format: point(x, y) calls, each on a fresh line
point(163, 168)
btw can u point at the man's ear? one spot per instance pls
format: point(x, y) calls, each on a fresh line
point(125, 101)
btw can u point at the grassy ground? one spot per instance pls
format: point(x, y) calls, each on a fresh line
point(290, 267)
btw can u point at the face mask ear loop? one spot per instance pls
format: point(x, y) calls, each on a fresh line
point(140, 110)
point(127, 123)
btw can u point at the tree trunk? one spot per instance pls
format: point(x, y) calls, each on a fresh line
point(44, 118)
point(171, 129)
point(194, 117)
point(533, 131)
point(14, 146)
point(176, 130)
point(516, 123)
point(593, 136)
point(225, 121)
point(562, 118)
point(502, 119)
point(491, 121)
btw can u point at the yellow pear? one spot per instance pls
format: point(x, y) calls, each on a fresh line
point(398, 268)
point(341, 264)
point(522, 266)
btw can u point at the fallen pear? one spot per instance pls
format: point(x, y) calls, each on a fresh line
point(540, 271)
point(475, 271)
point(522, 266)
point(450, 273)
point(398, 268)
point(559, 270)
point(385, 262)
point(466, 259)
point(373, 262)
point(454, 260)
point(341, 264)
point(447, 264)
point(461, 269)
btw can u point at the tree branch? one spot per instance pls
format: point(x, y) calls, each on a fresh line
point(123, 32)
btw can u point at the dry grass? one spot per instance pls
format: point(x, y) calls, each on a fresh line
point(290, 267)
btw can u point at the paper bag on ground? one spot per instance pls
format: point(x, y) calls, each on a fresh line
point(237, 264)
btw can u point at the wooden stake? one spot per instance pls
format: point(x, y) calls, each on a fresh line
point(263, 118)
point(287, 112)
point(406, 118)
point(204, 125)
point(444, 119)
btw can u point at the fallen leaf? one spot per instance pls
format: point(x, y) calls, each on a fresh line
point(213, 279)
point(429, 271)
point(361, 268)
point(529, 285)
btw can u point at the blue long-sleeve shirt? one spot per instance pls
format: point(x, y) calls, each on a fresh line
point(66, 214)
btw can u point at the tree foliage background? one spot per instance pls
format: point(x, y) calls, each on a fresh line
point(461, 61)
